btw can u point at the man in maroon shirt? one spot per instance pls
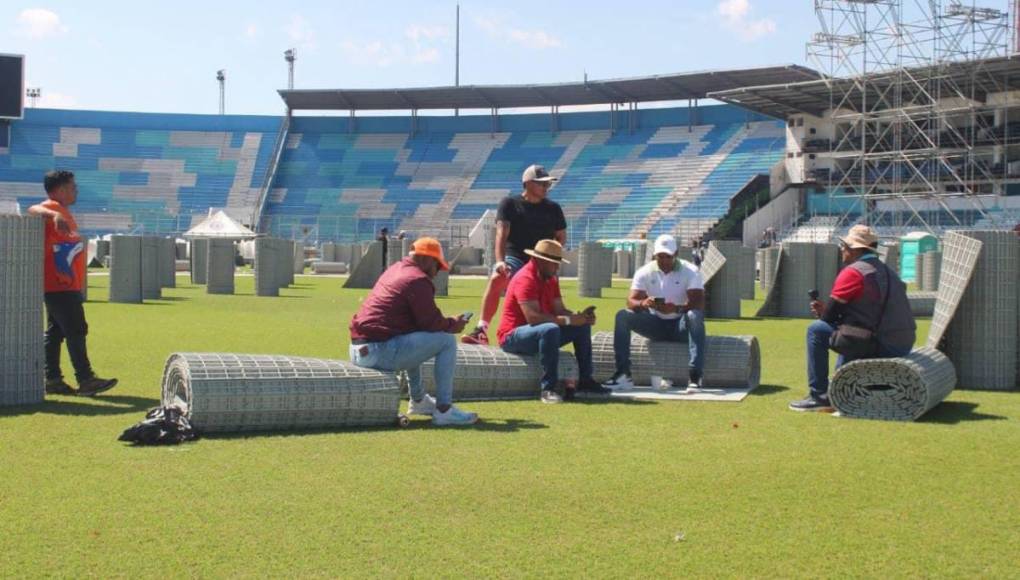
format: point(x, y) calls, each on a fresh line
point(536, 321)
point(399, 326)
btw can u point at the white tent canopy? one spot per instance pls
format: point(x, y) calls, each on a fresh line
point(219, 225)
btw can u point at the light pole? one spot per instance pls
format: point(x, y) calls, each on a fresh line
point(290, 55)
point(34, 94)
point(221, 76)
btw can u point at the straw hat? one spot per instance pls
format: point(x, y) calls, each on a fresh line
point(548, 250)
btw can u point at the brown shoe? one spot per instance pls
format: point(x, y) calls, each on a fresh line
point(94, 386)
point(59, 387)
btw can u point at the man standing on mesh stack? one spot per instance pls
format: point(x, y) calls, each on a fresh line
point(521, 221)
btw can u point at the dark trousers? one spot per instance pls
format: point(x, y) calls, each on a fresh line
point(65, 317)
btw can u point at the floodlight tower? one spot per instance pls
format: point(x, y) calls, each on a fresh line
point(34, 94)
point(221, 76)
point(290, 55)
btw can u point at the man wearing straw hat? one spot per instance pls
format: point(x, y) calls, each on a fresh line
point(399, 327)
point(867, 316)
point(536, 321)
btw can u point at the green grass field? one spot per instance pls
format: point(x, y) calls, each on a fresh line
point(593, 489)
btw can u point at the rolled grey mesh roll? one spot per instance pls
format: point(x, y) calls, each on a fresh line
point(180, 250)
point(329, 268)
point(932, 267)
point(290, 249)
point(768, 260)
point(827, 262)
point(730, 361)
point(922, 303)
point(151, 289)
point(890, 256)
point(222, 392)
point(266, 277)
point(282, 262)
point(624, 264)
point(724, 287)
point(483, 372)
point(747, 265)
point(126, 269)
point(587, 270)
point(199, 260)
point(328, 253)
point(919, 271)
point(981, 338)
point(367, 268)
point(298, 263)
point(893, 389)
point(442, 283)
point(795, 280)
point(21, 310)
point(220, 271)
point(102, 250)
point(489, 243)
point(167, 263)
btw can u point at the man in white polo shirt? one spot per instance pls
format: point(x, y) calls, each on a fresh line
point(666, 303)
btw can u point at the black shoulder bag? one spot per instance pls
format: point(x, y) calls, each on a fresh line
point(856, 342)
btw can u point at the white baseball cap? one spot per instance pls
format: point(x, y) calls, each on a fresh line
point(536, 173)
point(665, 244)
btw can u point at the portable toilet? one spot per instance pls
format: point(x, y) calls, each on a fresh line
point(911, 246)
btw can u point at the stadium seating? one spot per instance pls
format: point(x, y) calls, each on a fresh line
point(141, 172)
point(157, 174)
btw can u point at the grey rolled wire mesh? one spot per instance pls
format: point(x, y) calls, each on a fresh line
point(890, 256)
point(220, 267)
point(606, 265)
point(355, 252)
point(320, 267)
point(827, 262)
point(588, 278)
point(281, 263)
point(199, 260)
point(931, 268)
point(624, 263)
point(290, 249)
point(768, 260)
point(298, 261)
point(730, 361)
point(723, 287)
point(893, 389)
point(151, 289)
point(747, 281)
point(102, 250)
point(327, 253)
point(21, 310)
point(126, 269)
point(266, 277)
point(167, 263)
point(959, 256)
point(922, 303)
point(919, 271)
point(486, 373)
point(489, 244)
point(367, 268)
point(405, 249)
point(223, 392)
point(180, 250)
point(981, 339)
point(796, 278)
point(442, 283)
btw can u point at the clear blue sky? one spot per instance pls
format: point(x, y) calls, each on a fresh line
point(163, 56)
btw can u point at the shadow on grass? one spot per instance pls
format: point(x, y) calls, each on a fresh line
point(487, 425)
point(953, 412)
point(86, 407)
point(601, 400)
point(766, 390)
point(174, 299)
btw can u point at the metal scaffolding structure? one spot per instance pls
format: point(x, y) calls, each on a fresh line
point(909, 126)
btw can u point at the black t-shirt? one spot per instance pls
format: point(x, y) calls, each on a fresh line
point(529, 223)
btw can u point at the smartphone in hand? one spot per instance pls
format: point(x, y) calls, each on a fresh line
point(590, 310)
point(467, 316)
point(813, 294)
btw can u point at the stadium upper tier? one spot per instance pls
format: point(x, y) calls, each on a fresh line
point(160, 173)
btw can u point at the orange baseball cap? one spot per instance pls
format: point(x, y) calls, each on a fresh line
point(432, 248)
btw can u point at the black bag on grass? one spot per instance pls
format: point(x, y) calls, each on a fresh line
point(162, 426)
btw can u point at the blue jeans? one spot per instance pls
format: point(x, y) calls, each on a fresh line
point(406, 353)
point(546, 340)
point(513, 265)
point(818, 333)
point(689, 328)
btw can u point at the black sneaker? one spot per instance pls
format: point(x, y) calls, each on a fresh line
point(550, 396)
point(94, 386)
point(619, 382)
point(812, 404)
point(59, 387)
point(590, 387)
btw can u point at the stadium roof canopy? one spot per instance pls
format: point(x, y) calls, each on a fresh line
point(673, 87)
point(973, 79)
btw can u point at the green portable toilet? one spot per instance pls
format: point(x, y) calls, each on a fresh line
point(911, 246)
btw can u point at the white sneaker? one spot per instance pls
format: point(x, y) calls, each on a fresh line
point(665, 384)
point(454, 416)
point(426, 406)
point(619, 382)
point(693, 388)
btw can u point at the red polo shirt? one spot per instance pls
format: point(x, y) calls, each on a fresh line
point(527, 285)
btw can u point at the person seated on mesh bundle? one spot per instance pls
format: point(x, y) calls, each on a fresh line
point(399, 327)
point(666, 303)
point(866, 295)
point(535, 321)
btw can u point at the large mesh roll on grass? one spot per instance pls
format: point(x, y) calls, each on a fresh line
point(199, 260)
point(21, 310)
point(266, 276)
point(223, 392)
point(220, 267)
point(151, 289)
point(930, 270)
point(730, 361)
point(768, 261)
point(893, 389)
point(486, 373)
point(126, 269)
